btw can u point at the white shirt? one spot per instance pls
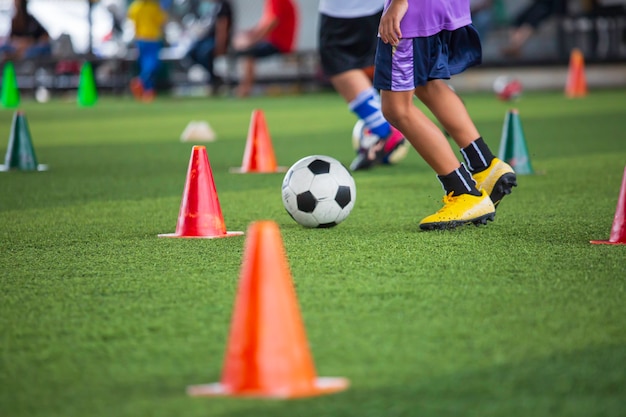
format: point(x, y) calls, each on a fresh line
point(350, 8)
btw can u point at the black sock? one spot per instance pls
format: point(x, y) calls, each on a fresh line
point(458, 182)
point(477, 155)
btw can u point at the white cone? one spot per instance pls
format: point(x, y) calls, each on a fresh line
point(198, 131)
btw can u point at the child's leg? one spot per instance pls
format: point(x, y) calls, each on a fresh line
point(491, 174)
point(463, 202)
point(149, 63)
point(362, 99)
point(419, 130)
point(448, 108)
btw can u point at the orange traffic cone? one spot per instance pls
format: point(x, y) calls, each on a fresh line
point(618, 231)
point(576, 85)
point(267, 354)
point(258, 157)
point(200, 215)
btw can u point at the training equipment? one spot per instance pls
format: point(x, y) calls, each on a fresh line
point(10, 95)
point(576, 84)
point(87, 94)
point(198, 131)
point(258, 157)
point(362, 138)
point(460, 210)
point(318, 191)
point(497, 180)
point(267, 355)
point(513, 149)
point(42, 94)
point(507, 88)
point(618, 230)
point(200, 214)
point(20, 152)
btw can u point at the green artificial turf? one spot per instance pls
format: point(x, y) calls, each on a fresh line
point(99, 317)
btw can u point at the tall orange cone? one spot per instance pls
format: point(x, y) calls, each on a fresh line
point(267, 354)
point(258, 157)
point(618, 231)
point(576, 85)
point(200, 214)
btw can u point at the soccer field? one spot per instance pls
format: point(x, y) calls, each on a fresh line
point(522, 317)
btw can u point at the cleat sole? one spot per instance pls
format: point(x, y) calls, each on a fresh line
point(503, 187)
point(482, 220)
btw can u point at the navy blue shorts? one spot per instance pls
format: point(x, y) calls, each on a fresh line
point(415, 61)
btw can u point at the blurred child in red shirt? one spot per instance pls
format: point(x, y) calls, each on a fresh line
point(275, 33)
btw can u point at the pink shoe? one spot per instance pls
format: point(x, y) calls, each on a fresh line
point(378, 153)
point(393, 142)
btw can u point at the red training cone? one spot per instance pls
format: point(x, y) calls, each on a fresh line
point(576, 85)
point(618, 231)
point(268, 353)
point(200, 215)
point(258, 157)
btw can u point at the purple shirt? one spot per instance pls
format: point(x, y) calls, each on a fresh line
point(429, 17)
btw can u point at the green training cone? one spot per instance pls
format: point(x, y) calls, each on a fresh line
point(513, 148)
point(87, 92)
point(20, 153)
point(10, 92)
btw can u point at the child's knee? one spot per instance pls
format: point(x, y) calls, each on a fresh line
point(394, 112)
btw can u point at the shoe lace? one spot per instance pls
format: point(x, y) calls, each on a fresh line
point(448, 199)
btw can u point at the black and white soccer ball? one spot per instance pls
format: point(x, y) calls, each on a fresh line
point(362, 137)
point(318, 191)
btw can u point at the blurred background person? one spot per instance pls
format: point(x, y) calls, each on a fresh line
point(274, 33)
point(347, 45)
point(149, 19)
point(528, 21)
point(482, 16)
point(213, 38)
point(27, 39)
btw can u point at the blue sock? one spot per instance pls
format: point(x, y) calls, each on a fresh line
point(367, 107)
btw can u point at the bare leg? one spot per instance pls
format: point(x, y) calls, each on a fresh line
point(350, 83)
point(419, 130)
point(247, 81)
point(448, 108)
point(517, 40)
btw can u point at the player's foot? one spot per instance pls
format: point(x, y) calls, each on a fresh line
point(148, 96)
point(497, 180)
point(379, 152)
point(136, 88)
point(459, 210)
point(394, 141)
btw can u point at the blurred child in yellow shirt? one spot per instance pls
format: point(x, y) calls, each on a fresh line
point(149, 20)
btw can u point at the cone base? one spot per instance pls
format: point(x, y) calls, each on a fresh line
point(322, 385)
point(606, 242)
point(242, 170)
point(6, 168)
point(228, 234)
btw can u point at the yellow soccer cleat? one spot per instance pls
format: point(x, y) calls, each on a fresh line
point(459, 210)
point(498, 180)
